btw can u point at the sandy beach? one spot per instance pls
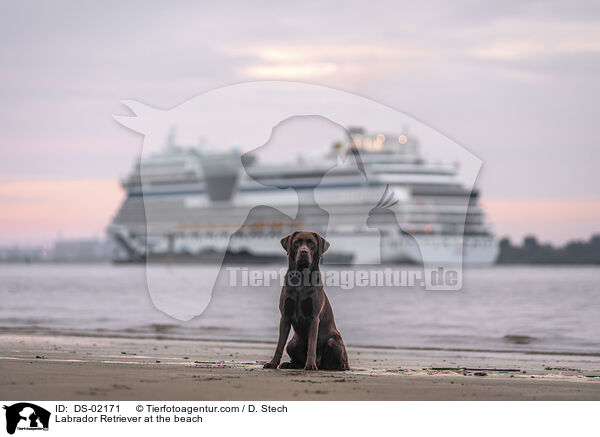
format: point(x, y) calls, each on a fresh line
point(94, 368)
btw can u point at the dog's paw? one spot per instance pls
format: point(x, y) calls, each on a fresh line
point(271, 365)
point(310, 366)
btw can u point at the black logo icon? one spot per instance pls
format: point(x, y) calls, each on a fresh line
point(294, 278)
point(26, 416)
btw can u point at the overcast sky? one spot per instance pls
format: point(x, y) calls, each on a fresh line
point(517, 83)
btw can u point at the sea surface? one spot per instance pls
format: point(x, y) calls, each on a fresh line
point(539, 309)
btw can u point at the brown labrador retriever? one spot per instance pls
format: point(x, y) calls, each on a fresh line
point(317, 344)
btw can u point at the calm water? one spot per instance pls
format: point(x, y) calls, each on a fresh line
point(542, 309)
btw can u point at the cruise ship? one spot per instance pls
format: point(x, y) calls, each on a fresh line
point(373, 196)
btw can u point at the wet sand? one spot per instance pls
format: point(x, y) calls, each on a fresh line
point(88, 368)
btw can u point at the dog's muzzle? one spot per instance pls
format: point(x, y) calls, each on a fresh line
point(303, 256)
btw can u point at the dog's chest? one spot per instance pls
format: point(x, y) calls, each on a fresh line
point(299, 306)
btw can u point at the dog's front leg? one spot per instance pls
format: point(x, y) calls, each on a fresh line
point(284, 331)
point(311, 355)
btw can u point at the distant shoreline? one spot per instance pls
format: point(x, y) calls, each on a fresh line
point(531, 252)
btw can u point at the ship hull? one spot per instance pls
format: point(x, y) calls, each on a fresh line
point(346, 249)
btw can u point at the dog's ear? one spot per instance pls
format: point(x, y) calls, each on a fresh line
point(323, 244)
point(286, 242)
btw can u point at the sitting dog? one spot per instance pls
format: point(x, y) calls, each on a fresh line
point(303, 304)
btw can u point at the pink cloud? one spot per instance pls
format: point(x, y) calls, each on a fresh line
point(36, 210)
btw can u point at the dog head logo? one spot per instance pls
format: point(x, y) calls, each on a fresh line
point(209, 217)
point(26, 416)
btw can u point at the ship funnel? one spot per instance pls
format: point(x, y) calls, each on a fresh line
point(221, 173)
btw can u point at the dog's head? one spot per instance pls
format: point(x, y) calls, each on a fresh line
point(304, 249)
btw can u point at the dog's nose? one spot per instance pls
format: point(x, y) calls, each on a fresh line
point(304, 251)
